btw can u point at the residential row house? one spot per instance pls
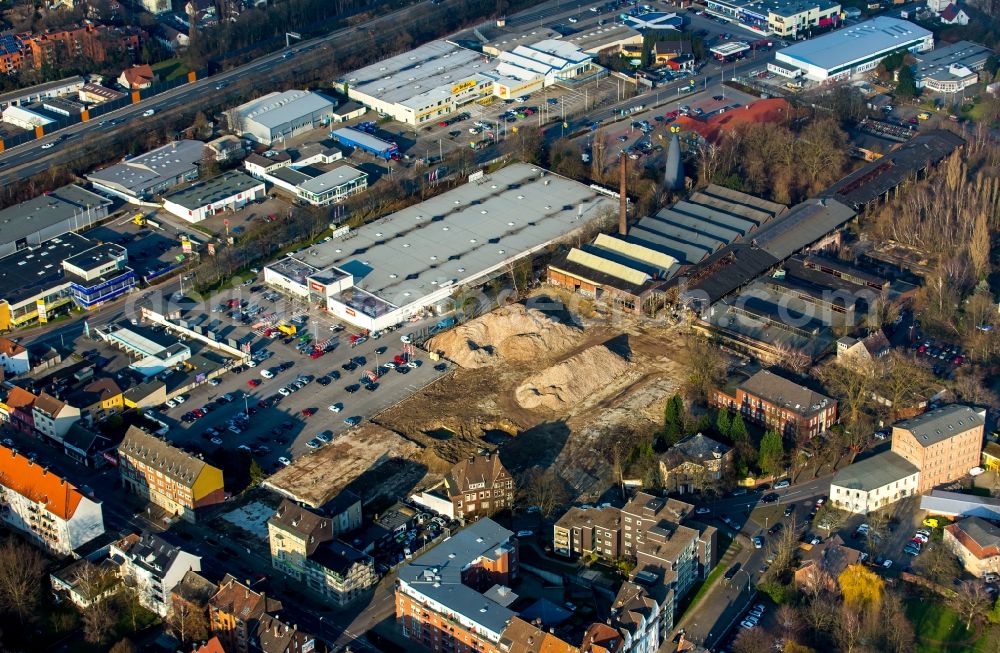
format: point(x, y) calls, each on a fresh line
point(167, 476)
point(479, 486)
point(777, 403)
point(49, 510)
point(235, 611)
point(303, 547)
point(16, 407)
point(53, 417)
point(153, 567)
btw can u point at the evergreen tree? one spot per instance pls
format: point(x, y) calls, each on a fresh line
point(723, 425)
point(673, 421)
point(738, 429)
point(907, 85)
point(772, 453)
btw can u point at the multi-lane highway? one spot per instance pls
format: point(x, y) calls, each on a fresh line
point(265, 72)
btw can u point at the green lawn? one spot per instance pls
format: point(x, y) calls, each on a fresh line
point(939, 628)
point(170, 70)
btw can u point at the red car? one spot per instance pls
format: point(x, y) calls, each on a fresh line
point(399, 360)
point(198, 412)
point(443, 123)
point(308, 412)
point(316, 354)
point(253, 383)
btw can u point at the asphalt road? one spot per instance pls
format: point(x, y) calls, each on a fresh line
point(28, 159)
point(726, 602)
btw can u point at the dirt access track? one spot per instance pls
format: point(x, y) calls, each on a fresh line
point(543, 388)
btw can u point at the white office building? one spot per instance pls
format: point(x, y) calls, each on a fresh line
point(874, 483)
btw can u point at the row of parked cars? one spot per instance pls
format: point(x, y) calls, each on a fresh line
point(754, 615)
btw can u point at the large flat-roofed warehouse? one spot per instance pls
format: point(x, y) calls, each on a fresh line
point(856, 49)
point(152, 173)
point(65, 209)
point(628, 270)
point(280, 115)
point(439, 78)
point(387, 271)
point(422, 84)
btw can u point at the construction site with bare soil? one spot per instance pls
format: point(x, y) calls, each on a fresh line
point(542, 388)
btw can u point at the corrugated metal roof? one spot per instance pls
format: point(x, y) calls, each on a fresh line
point(607, 266)
point(638, 252)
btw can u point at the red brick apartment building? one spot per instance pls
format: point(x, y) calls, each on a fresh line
point(455, 597)
point(778, 403)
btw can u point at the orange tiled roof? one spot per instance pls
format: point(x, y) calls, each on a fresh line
point(769, 110)
point(48, 404)
point(9, 347)
point(33, 481)
point(20, 398)
point(211, 646)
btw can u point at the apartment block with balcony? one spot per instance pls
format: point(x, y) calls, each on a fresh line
point(167, 476)
point(583, 532)
point(944, 444)
point(455, 597)
point(45, 507)
point(775, 402)
point(153, 567)
point(339, 573)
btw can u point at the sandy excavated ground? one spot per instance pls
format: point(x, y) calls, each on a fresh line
point(540, 391)
point(368, 459)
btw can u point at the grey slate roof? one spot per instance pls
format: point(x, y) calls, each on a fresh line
point(981, 531)
point(940, 424)
point(783, 392)
point(803, 225)
point(871, 181)
point(438, 573)
point(875, 472)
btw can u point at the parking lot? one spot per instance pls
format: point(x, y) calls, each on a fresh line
point(150, 249)
point(271, 416)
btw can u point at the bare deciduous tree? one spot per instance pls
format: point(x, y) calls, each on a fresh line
point(22, 573)
point(187, 622)
point(971, 601)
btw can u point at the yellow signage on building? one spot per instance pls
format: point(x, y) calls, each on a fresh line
point(461, 86)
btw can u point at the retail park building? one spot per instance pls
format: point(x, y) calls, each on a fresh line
point(439, 78)
point(388, 271)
